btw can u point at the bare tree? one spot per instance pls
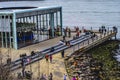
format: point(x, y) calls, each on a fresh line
point(5, 73)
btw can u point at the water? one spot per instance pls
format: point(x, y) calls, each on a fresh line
point(86, 13)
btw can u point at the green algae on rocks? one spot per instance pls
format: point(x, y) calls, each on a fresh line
point(103, 53)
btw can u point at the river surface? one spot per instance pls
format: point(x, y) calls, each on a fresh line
point(88, 13)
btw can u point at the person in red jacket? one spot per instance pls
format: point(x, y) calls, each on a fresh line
point(46, 57)
point(51, 58)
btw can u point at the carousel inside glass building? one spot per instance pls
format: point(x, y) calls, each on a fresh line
point(20, 26)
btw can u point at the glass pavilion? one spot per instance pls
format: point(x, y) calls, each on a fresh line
point(20, 26)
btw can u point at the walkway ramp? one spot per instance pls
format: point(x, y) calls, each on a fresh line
point(60, 47)
point(40, 55)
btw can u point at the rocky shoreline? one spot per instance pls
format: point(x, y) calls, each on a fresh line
point(95, 64)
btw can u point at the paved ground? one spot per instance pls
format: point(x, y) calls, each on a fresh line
point(57, 67)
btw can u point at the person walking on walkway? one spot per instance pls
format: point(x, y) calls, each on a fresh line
point(73, 78)
point(46, 57)
point(51, 76)
point(69, 33)
point(42, 77)
point(66, 30)
point(77, 34)
point(62, 54)
point(51, 58)
point(65, 77)
point(64, 39)
point(65, 33)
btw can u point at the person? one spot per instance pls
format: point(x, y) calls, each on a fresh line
point(77, 34)
point(65, 77)
point(100, 30)
point(42, 77)
point(51, 58)
point(45, 77)
point(32, 53)
point(46, 57)
point(75, 63)
point(69, 32)
point(64, 38)
point(68, 43)
point(51, 76)
point(62, 53)
point(66, 30)
point(73, 78)
point(50, 33)
point(52, 49)
point(65, 33)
